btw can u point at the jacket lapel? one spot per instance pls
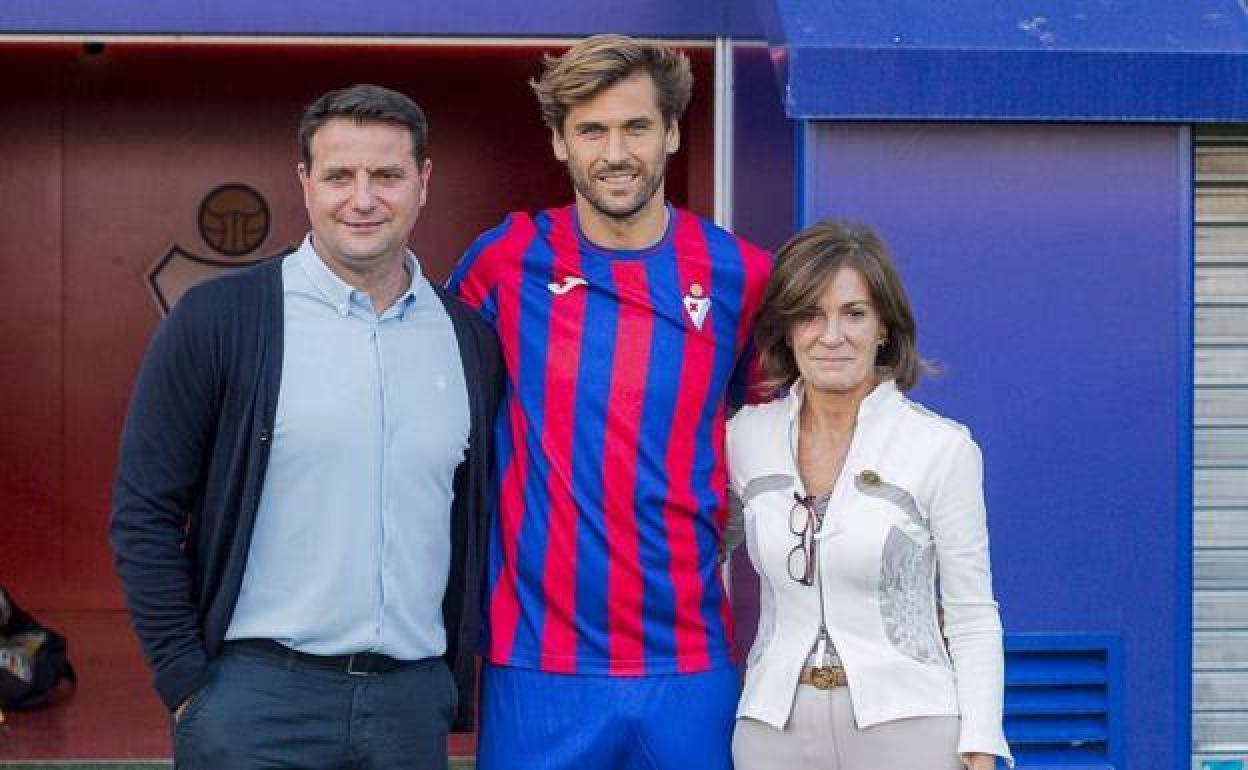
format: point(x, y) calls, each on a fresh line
point(469, 357)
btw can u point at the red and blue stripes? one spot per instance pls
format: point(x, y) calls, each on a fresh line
point(611, 471)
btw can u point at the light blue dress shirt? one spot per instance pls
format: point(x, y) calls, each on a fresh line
point(351, 548)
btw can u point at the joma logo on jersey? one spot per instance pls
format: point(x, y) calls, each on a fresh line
point(568, 283)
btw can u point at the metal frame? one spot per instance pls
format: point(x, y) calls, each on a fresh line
point(1184, 504)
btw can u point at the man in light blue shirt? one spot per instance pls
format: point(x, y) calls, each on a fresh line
point(324, 609)
point(351, 544)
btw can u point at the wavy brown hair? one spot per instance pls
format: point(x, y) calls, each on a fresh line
point(599, 62)
point(803, 269)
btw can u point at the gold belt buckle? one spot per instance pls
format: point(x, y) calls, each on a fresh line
point(826, 678)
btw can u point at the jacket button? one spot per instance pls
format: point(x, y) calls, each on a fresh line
point(265, 435)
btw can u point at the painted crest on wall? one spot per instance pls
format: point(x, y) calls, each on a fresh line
point(234, 220)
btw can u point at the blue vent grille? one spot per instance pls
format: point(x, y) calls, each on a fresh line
point(1063, 698)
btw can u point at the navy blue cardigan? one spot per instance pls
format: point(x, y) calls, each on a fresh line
point(193, 457)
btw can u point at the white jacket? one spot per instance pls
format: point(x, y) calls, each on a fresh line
point(888, 540)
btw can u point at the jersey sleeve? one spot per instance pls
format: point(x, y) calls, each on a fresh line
point(745, 387)
point(475, 278)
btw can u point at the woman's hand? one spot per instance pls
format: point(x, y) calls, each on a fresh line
point(979, 761)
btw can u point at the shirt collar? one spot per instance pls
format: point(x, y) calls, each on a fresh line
point(588, 246)
point(417, 288)
point(880, 395)
point(340, 294)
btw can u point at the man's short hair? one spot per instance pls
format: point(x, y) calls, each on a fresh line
point(364, 103)
point(803, 269)
point(599, 62)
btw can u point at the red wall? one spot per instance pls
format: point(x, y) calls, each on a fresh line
point(107, 158)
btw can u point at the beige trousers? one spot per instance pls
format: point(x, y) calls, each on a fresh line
point(821, 735)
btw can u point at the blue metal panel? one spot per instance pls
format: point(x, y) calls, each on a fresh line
point(1185, 293)
point(1064, 700)
point(1050, 269)
point(1070, 700)
point(762, 144)
point(536, 18)
point(1207, 26)
point(1081, 60)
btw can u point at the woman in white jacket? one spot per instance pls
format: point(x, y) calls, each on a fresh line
point(864, 517)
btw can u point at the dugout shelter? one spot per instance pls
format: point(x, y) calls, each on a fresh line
point(1065, 186)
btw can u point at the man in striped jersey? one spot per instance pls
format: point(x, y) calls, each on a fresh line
point(625, 324)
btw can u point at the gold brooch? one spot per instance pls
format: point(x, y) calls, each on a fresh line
point(870, 478)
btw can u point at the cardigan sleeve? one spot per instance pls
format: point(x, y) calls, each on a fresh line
point(971, 623)
point(162, 461)
point(471, 504)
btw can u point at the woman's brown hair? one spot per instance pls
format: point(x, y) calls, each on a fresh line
point(803, 268)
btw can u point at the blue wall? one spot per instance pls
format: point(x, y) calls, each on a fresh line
point(763, 212)
point(1049, 266)
point(534, 18)
point(1040, 60)
point(762, 151)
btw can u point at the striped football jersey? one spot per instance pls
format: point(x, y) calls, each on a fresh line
point(621, 367)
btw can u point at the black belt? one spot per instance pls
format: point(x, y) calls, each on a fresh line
point(357, 664)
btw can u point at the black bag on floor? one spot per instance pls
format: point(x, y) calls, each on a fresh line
point(34, 659)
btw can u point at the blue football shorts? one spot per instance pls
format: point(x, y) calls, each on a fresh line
point(532, 720)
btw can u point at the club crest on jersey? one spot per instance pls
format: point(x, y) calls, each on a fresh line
point(568, 283)
point(697, 304)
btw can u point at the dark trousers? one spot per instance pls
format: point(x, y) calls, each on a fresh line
point(259, 711)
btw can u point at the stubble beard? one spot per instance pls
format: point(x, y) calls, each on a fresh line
point(628, 212)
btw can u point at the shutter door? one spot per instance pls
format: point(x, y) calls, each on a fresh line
point(1220, 484)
